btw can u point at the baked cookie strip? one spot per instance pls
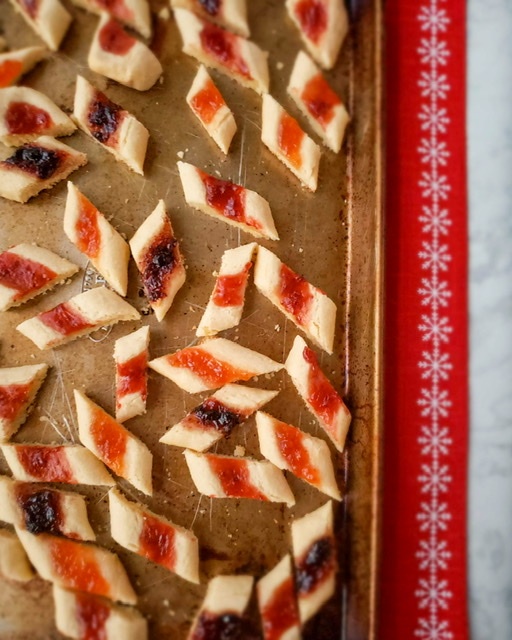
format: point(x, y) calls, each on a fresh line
point(27, 270)
point(284, 137)
point(81, 616)
point(14, 64)
point(26, 114)
point(77, 317)
point(292, 450)
point(37, 166)
point(228, 477)
point(18, 389)
point(215, 47)
point(277, 602)
point(211, 110)
point(69, 464)
point(48, 18)
point(133, 13)
point(79, 566)
point(223, 609)
point(217, 416)
point(323, 25)
point(226, 304)
point(307, 306)
point(95, 237)
point(324, 110)
point(44, 510)
point(114, 445)
point(131, 358)
point(227, 201)
point(213, 364)
point(114, 128)
point(14, 563)
point(117, 55)
point(316, 390)
point(153, 537)
point(314, 554)
point(231, 14)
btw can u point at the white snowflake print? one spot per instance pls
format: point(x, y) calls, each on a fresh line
point(433, 592)
point(435, 365)
point(434, 119)
point(435, 441)
point(432, 50)
point(434, 292)
point(433, 150)
point(435, 256)
point(433, 629)
point(435, 220)
point(434, 85)
point(433, 555)
point(435, 328)
point(433, 19)
point(435, 403)
point(434, 186)
point(434, 516)
point(435, 478)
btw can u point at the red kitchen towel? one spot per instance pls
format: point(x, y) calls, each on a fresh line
point(423, 579)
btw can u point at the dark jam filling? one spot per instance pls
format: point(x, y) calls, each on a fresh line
point(104, 117)
point(223, 46)
point(212, 413)
point(42, 163)
point(227, 626)
point(317, 563)
point(160, 262)
point(41, 510)
point(210, 6)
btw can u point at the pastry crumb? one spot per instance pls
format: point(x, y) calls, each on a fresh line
point(277, 328)
point(239, 451)
point(181, 155)
point(279, 65)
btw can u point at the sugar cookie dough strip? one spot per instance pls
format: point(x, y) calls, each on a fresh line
point(131, 358)
point(48, 18)
point(231, 14)
point(18, 389)
point(14, 563)
point(14, 64)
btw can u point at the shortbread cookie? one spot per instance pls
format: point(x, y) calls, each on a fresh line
point(131, 358)
point(153, 537)
point(213, 364)
point(292, 450)
point(323, 25)
point(117, 55)
point(27, 270)
point(37, 166)
point(217, 416)
point(156, 252)
point(26, 114)
point(14, 64)
point(231, 14)
point(117, 130)
point(213, 113)
point(18, 389)
point(227, 477)
point(114, 445)
point(314, 554)
point(289, 143)
point(227, 201)
point(133, 13)
point(77, 317)
point(48, 18)
point(69, 464)
point(83, 616)
point(223, 608)
point(226, 304)
point(320, 396)
point(14, 563)
point(277, 602)
point(43, 510)
point(324, 110)
point(215, 47)
point(78, 565)
point(304, 304)
point(94, 236)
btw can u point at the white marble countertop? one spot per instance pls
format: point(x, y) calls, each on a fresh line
point(490, 191)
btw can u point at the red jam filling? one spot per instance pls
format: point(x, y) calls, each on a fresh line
point(157, 542)
point(104, 118)
point(214, 372)
point(215, 415)
point(321, 395)
point(131, 376)
point(116, 8)
point(42, 509)
point(230, 290)
point(31, 7)
point(312, 17)
point(12, 400)
point(289, 139)
point(235, 478)
point(280, 612)
point(114, 39)
point(92, 615)
point(45, 463)
point(207, 102)
point(110, 439)
point(317, 564)
point(223, 47)
point(24, 118)
point(87, 230)
point(64, 320)
point(295, 294)
point(38, 161)
point(291, 446)
point(159, 262)
point(320, 99)
point(10, 70)
point(23, 275)
point(77, 566)
point(211, 7)
point(224, 626)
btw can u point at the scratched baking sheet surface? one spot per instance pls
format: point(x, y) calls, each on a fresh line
point(331, 237)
